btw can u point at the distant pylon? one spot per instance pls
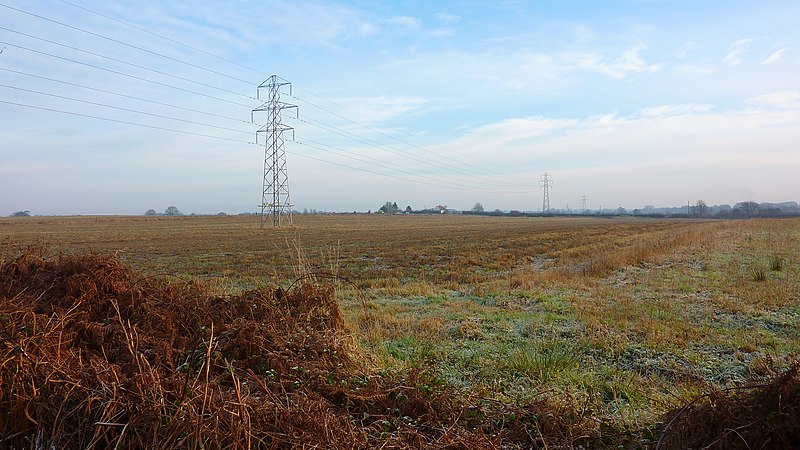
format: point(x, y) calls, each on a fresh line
point(275, 204)
point(545, 182)
point(583, 203)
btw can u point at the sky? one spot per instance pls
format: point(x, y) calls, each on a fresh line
point(119, 107)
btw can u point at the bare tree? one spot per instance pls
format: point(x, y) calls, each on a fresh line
point(700, 209)
point(750, 208)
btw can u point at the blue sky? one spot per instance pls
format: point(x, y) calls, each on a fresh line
point(630, 103)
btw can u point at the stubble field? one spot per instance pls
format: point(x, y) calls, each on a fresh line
point(615, 320)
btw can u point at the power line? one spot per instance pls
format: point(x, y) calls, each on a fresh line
point(118, 94)
point(119, 108)
point(419, 158)
point(124, 122)
point(479, 168)
point(361, 169)
point(144, 30)
point(138, 66)
point(124, 43)
point(343, 153)
point(395, 150)
point(366, 141)
point(309, 143)
point(239, 65)
point(124, 74)
point(449, 159)
point(405, 154)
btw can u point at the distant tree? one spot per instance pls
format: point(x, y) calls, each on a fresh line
point(151, 212)
point(409, 210)
point(25, 213)
point(389, 208)
point(172, 211)
point(621, 211)
point(750, 208)
point(700, 209)
point(478, 208)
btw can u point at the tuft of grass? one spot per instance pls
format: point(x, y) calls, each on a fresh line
point(776, 264)
point(759, 274)
point(543, 362)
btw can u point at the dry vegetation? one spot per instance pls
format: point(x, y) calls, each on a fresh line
point(442, 332)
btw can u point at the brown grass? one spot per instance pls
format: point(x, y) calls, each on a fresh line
point(391, 253)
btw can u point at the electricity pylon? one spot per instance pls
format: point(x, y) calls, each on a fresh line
point(275, 204)
point(545, 182)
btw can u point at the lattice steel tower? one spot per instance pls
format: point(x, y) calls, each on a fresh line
point(275, 204)
point(545, 182)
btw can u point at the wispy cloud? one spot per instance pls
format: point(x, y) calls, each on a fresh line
point(693, 70)
point(508, 133)
point(676, 110)
point(780, 99)
point(521, 128)
point(447, 18)
point(628, 63)
point(405, 23)
point(737, 49)
point(376, 109)
point(682, 52)
point(368, 29)
point(775, 56)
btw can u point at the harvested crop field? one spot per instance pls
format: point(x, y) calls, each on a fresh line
point(355, 331)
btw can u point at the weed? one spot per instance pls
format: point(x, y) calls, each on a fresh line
point(758, 274)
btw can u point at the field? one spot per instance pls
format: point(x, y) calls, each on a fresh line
point(612, 322)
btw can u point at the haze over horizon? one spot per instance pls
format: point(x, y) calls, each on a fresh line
point(116, 108)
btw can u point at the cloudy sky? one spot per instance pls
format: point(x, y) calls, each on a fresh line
point(119, 107)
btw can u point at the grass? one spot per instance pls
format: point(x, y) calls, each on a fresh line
point(620, 318)
point(776, 264)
